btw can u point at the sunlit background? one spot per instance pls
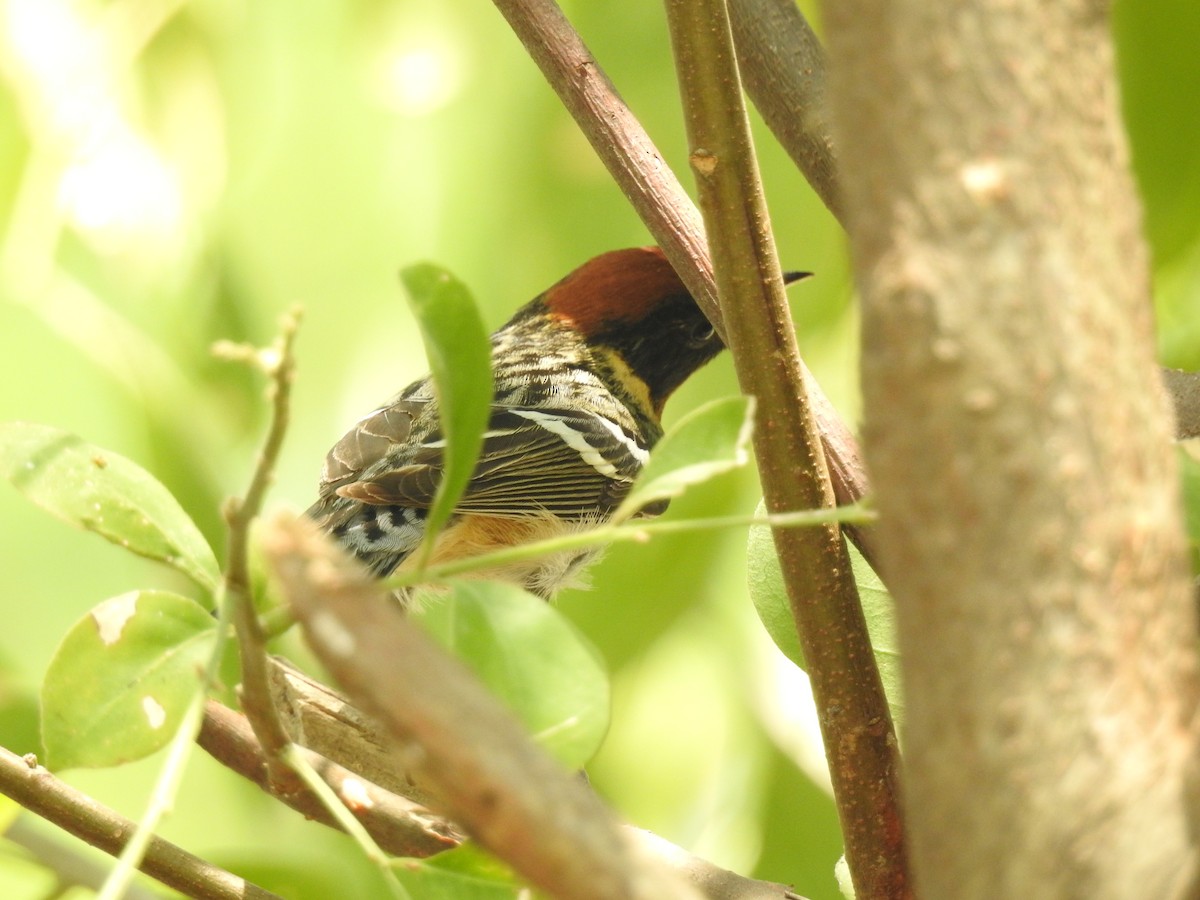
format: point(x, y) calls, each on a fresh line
point(176, 173)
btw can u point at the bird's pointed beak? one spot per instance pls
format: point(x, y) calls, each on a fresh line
point(792, 277)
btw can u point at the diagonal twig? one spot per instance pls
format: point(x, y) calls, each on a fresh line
point(783, 67)
point(279, 365)
point(398, 825)
point(480, 766)
point(34, 788)
point(338, 733)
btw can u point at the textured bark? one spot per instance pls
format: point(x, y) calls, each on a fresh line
point(1019, 442)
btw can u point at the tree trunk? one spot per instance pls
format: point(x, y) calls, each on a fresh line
point(1019, 442)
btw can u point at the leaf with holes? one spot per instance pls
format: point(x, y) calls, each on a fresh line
point(122, 678)
point(106, 493)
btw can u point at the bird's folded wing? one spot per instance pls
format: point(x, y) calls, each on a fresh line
point(371, 439)
point(562, 462)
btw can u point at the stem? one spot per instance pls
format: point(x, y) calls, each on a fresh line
point(337, 808)
point(855, 722)
point(637, 532)
point(239, 514)
point(783, 65)
point(161, 799)
point(475, 758)
point(398, 825)
point(167, 784)
point(38, 791)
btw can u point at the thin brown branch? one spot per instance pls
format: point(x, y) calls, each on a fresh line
point(620, 141)
point(783, 66)
point(71, 865)
point(483, 770)
point(323, 720)
point(339, 734)
point(855, 722)
point(400, 826)
point(279, 364)
point(38, 791)
point(668, 213)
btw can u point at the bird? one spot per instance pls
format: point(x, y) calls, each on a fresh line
point(581, 375)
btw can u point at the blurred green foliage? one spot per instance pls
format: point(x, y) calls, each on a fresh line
point(172, 174)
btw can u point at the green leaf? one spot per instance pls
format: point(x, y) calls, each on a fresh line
point(768, 593)
point(707, 442)
point(122, 678)
point(9, 810)
point(20, 728)
point(532, 658)
point(464, 873)
point(105, 493)
point(460, 361)
point(301, 871)
point(771, 601)
point(880, 612)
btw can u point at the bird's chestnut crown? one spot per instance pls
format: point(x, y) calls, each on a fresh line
point(632, 302)
point(620, 287)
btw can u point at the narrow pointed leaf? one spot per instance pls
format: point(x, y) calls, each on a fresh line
point(771, 601)
point(532, 658)
point(122, 678)
point(705, 443)
point(106, 493)
point(459, 353)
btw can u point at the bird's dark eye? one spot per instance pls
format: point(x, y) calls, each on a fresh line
point(700, 333)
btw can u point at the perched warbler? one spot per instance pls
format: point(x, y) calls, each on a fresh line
point(581, 375)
